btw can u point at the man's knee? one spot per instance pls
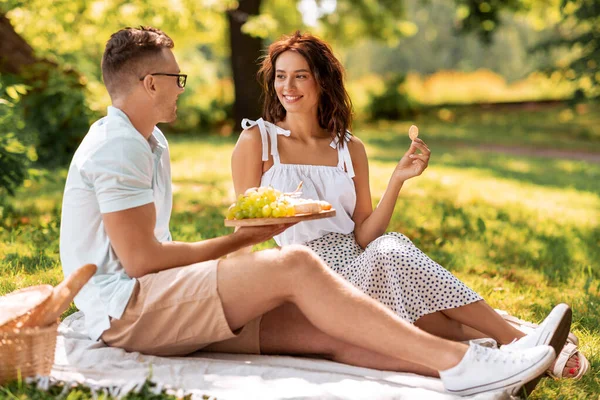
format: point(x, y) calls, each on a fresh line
point(297, 259)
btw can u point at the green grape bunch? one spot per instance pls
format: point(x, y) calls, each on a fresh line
point(261, 202)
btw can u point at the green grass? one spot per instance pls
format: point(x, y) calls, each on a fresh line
point(552, 126)
point(18, 390)
point(522, 231)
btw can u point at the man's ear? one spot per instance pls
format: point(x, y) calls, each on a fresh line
point(149, 85)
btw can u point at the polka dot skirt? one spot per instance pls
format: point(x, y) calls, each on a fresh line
point(395, 272)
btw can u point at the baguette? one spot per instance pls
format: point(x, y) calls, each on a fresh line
point(61, 298)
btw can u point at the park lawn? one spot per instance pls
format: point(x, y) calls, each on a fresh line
point(548, 126)
point(522, 231)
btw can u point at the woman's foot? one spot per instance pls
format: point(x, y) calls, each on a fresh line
point(570, 363)
point(574, 365)
point(551, 331)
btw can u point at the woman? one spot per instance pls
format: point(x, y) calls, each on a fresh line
point(305, 137)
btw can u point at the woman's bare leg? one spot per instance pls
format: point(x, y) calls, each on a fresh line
point(481, 317)
point(439, 324)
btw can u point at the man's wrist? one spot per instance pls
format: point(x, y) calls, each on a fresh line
point(240, 240)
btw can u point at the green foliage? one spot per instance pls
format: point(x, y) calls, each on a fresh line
point(575, 30)
point(15, 157)
point(208, 104)
point(73, 35)
point(274, 9)
point(57, 111)
point(371, 37)
point(435, 46)
point(13, 160)
point(579, 33)
point(354, 20)
point(484, 16)
point(394, 103)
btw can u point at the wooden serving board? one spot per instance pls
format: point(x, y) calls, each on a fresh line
point(277, 221)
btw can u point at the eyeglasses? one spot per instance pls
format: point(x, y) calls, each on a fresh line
point(181, 78)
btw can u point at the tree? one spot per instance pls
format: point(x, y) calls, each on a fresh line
point(579, 31)
point(576, 29)
point(244, 53)
point(54, 107)
point(15, 53)
point(484, 16)
point(73, 33)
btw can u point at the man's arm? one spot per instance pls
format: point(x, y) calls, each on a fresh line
point(131, 234)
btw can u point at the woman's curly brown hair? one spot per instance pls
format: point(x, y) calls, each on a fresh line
point(335, 108)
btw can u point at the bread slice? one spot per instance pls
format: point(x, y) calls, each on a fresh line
point(304, 206)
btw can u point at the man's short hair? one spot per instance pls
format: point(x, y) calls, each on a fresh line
point(128, 55)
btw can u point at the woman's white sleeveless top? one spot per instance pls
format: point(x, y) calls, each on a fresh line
point(320, 182)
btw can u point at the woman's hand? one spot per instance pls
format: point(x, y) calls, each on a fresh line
point(251, 235)
point(413, 164)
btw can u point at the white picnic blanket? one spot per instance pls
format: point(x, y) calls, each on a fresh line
point(232, 376)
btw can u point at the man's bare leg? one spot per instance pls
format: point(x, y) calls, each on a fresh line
point(254, 284)
point(285, 330)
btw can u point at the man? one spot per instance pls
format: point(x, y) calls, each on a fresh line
point(162, 297)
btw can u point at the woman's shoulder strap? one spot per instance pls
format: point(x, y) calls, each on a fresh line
point(344, 159)
point(267, 129)
point(336, 140)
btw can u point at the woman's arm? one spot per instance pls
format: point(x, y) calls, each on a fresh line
point(369, 223)
point(246, 167)
point(246, 161)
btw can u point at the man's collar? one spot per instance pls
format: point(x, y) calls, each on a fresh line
point(112, 111)
point(155, 144)
point(152, 139)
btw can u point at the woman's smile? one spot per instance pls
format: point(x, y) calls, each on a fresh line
point(291, 99)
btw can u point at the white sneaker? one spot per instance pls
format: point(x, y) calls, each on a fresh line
point(485, 342)
point(484, 370)
point(553, 331)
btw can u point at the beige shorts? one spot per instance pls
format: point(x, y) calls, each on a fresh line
point(179, 311)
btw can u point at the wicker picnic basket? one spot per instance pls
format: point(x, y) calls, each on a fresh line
point(29, 323)
point(27, 352)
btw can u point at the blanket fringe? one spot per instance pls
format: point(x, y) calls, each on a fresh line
point(45, 383)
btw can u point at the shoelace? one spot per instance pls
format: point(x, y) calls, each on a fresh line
point(497, 356)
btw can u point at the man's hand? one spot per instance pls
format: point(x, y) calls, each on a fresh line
point(251, 235)
point(131, 234)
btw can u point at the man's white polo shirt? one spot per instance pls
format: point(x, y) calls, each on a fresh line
point(115, 168)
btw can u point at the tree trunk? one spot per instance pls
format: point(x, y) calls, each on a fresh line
point(17, 57)
point(245, 51)
point(15, 53)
